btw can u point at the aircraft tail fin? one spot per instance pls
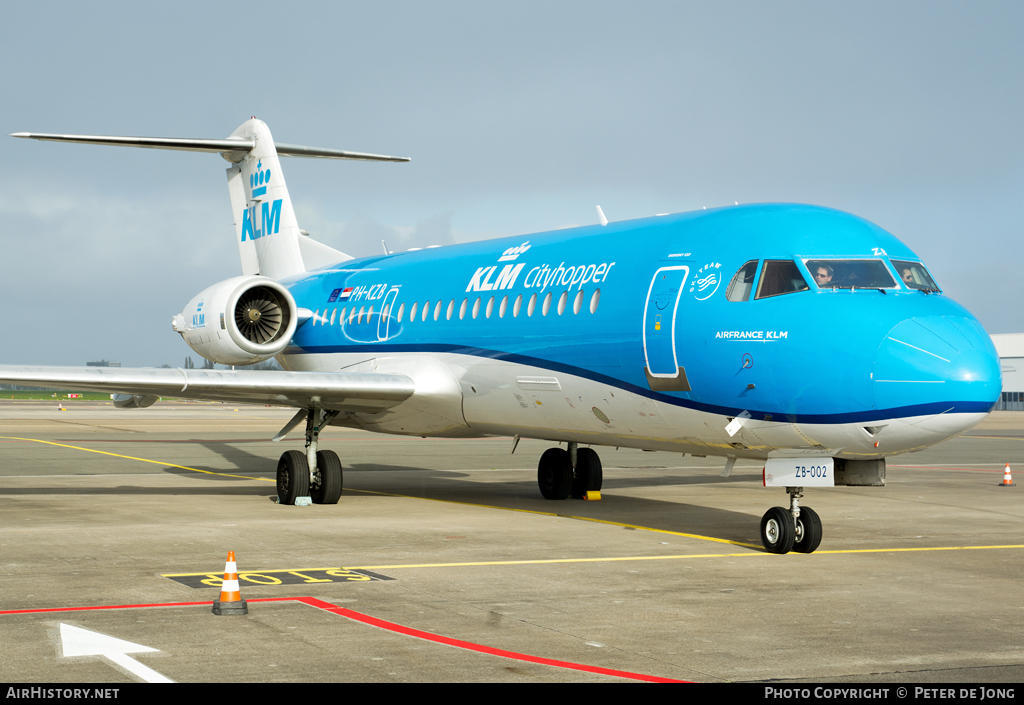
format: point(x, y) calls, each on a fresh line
point(266, 229)
point(269, 240)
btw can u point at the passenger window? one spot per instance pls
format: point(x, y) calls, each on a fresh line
point(780, 276)
point(914, 275)
point(850, 274)
point(742, 283)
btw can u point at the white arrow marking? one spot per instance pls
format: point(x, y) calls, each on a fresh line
point(76, 641)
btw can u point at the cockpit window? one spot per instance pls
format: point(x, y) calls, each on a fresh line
point(742, 283)
point(850, 274)
point(914, 275)
point(780, 276)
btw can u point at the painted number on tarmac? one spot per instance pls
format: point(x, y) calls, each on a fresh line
point(278, 577)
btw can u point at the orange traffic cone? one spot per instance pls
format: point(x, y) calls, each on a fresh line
point(230, 601)
point(1007, 478)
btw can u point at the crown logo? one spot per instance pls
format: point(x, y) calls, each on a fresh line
point(513, 252)
point(259, 179)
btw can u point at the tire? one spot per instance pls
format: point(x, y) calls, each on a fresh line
point(292, 477)
point(554, 474)
point(808, 531)
point(328, 488)
point(589, 474)
point(778, 530)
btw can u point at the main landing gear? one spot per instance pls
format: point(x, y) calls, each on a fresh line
point(313, 477)
point(569, 473)
point(794, 529)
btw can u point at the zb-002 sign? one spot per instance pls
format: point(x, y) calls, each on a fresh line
point(799, 472)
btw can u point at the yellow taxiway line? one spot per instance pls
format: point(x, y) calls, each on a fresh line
point(141, 460)
point(758, 552)
point(762, 552)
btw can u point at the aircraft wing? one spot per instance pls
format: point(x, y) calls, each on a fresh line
point(337, 391)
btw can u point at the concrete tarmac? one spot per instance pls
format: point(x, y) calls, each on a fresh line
point(665, 577)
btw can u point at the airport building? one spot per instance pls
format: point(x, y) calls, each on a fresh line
point(1010, 347)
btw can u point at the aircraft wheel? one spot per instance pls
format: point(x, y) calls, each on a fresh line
point(328, 488)
point(292, 477)
point(554, 474)
point(588, 473)
point(808, 531)
point(778, 530)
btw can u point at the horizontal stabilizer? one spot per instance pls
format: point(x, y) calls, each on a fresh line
point(298, 150)
point(234, 150)
point(366, 392)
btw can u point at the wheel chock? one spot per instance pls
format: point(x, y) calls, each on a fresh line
point(230, 601)
point(1007, 478)
point(303, 501)
point(592, 494)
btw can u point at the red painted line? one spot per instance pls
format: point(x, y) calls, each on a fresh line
point(105, 607)
point(470, 646)
point(382, 624)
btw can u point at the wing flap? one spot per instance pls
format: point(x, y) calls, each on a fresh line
point(339, 391)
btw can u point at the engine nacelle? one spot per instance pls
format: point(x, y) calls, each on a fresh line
point(239, 321)
point(133, 401)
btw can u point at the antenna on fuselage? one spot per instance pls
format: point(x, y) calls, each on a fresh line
point(600, 216)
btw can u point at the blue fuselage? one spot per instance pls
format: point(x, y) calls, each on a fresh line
point(660, 309)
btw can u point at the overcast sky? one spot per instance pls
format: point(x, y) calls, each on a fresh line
point(519, 117)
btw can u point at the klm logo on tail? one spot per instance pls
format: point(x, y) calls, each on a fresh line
point(270, 212)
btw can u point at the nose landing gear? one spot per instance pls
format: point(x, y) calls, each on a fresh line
point(796, 529)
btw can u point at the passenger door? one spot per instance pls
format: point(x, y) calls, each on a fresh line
point(660, 322)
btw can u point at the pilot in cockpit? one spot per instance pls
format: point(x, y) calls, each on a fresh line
point(823, 276)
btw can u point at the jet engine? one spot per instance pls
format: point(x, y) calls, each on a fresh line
point(133, 401)
point(239, 321)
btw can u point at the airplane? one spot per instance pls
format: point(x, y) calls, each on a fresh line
point(804, 337)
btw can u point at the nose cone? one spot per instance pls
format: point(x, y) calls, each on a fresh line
point(937, 365)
